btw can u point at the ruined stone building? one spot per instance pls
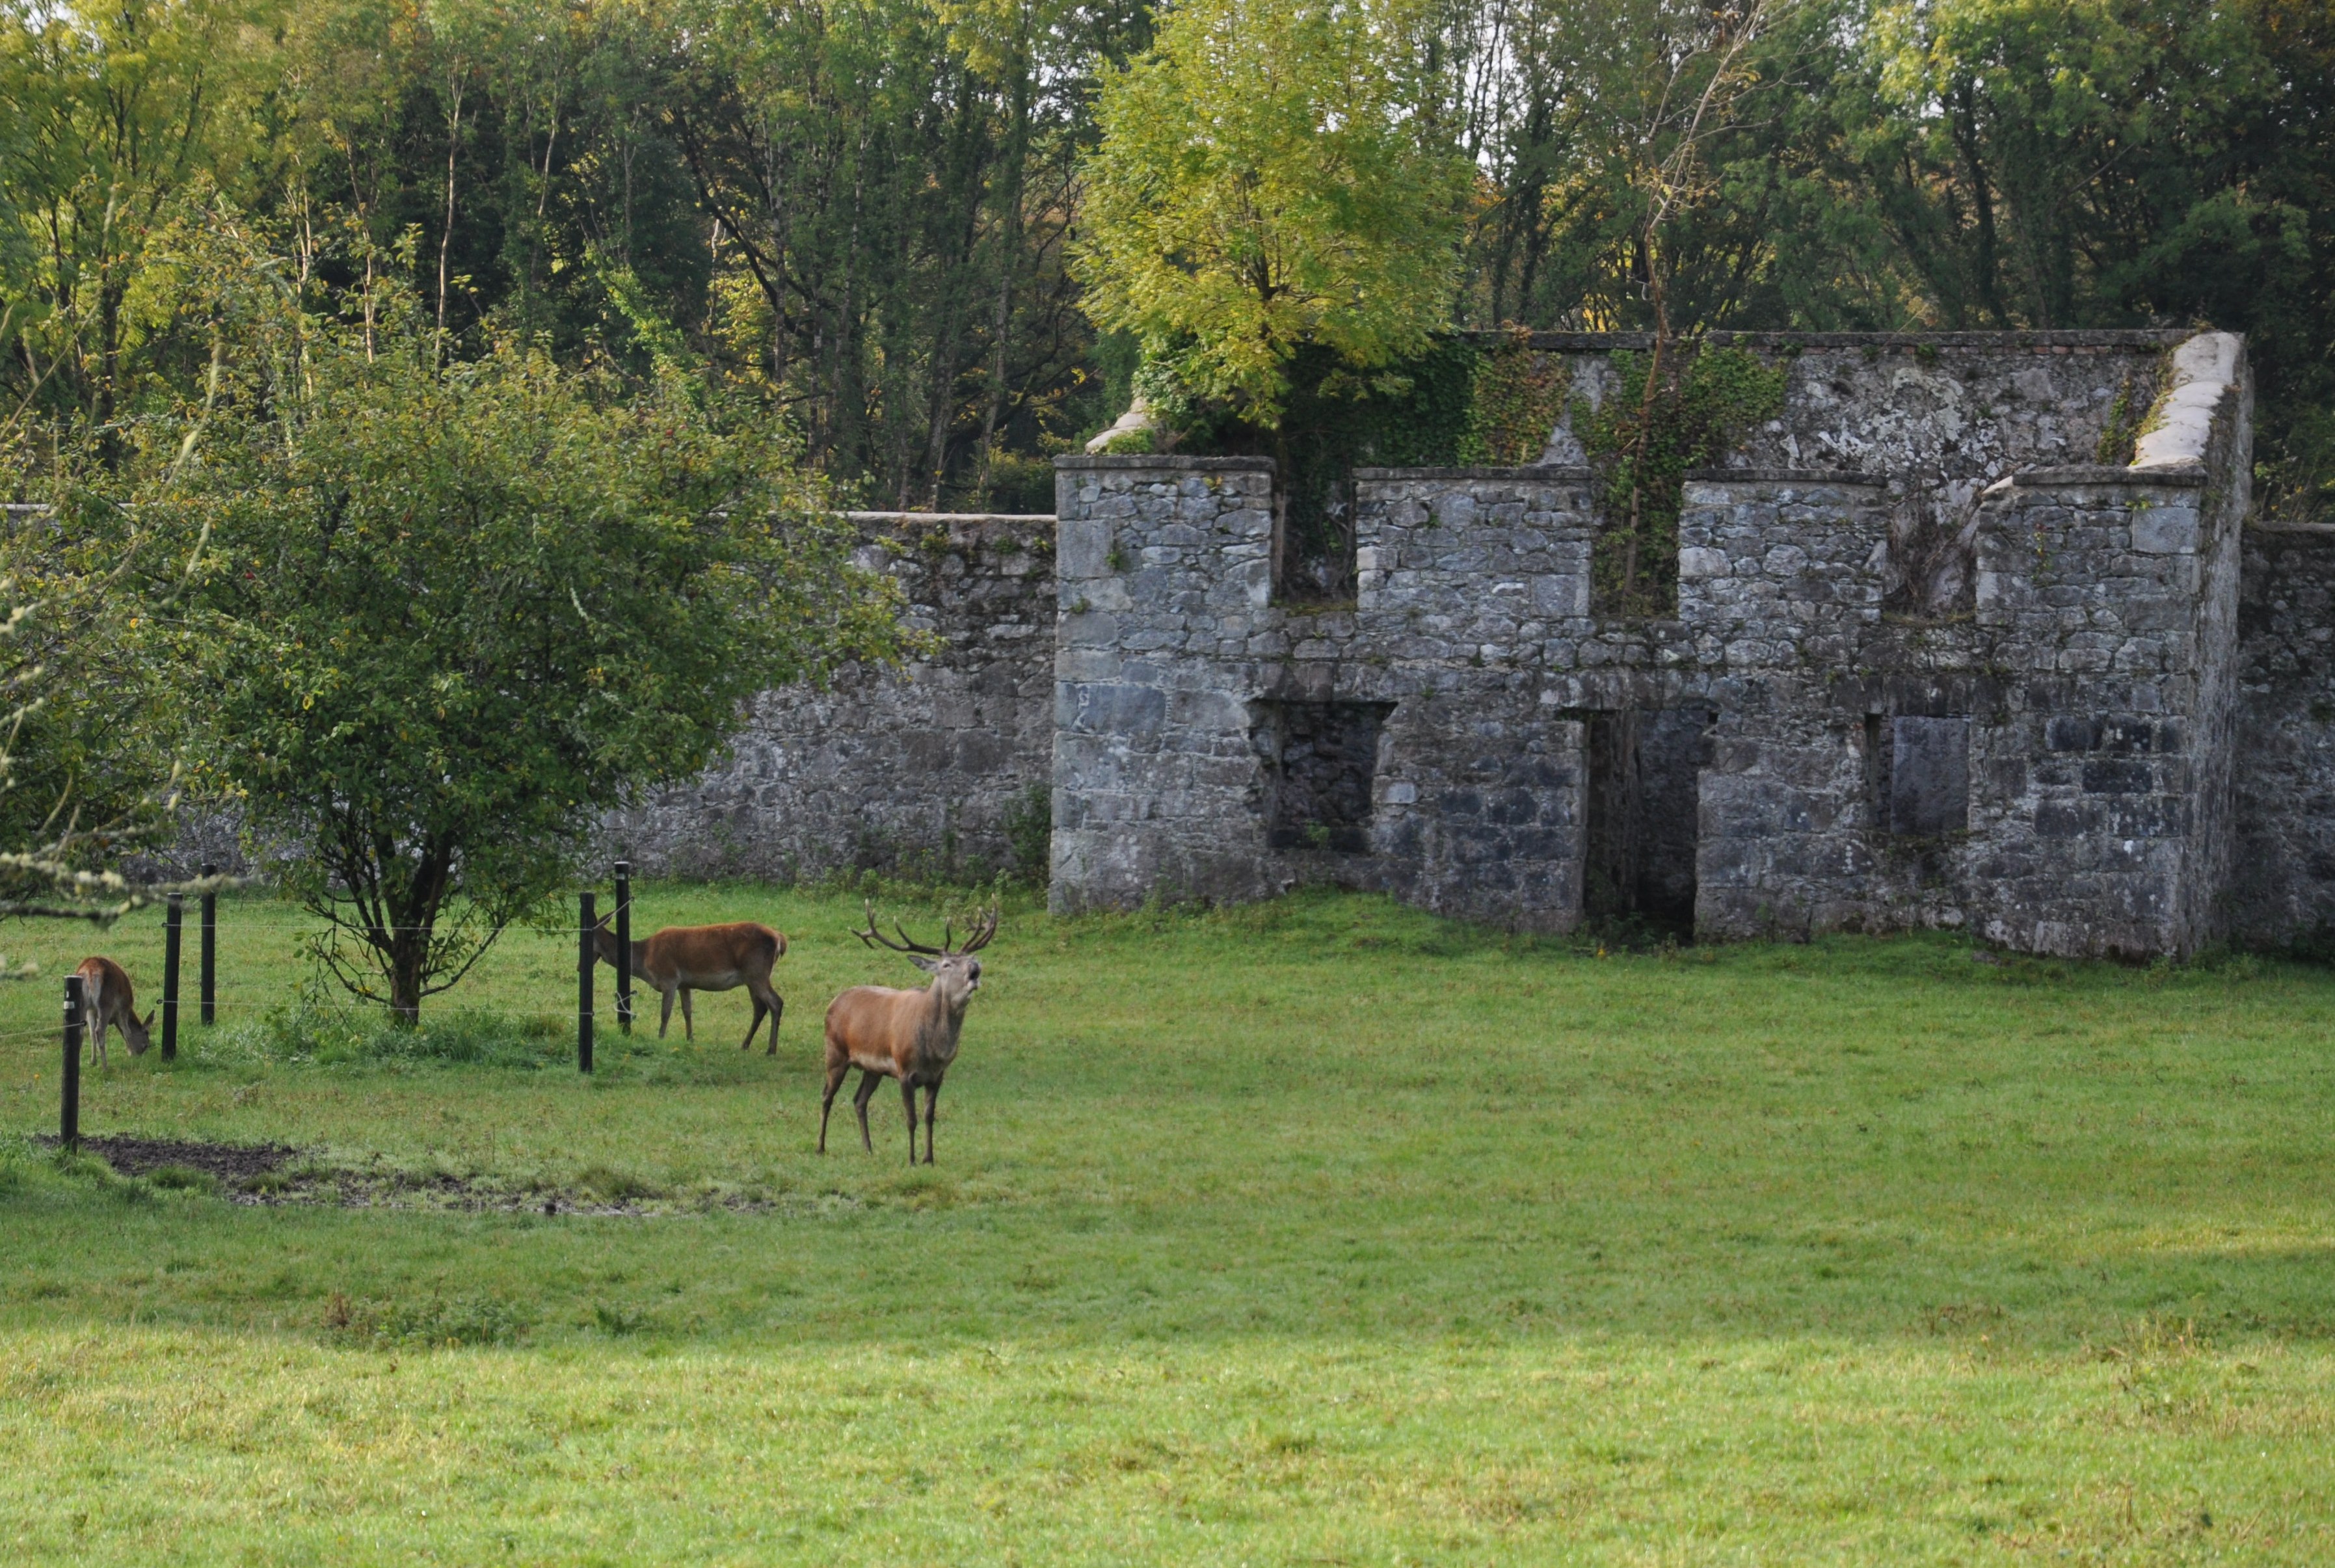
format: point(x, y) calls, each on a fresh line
point(1976, 634)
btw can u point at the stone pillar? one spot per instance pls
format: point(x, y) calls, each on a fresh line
point(1163, 580)
point(2099, 808)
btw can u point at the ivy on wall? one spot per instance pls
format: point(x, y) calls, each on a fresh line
point(1516, 398)
point(1643, 439)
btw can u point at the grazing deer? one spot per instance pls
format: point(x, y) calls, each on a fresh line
point(107, 997)
point(681, 959)
point(908, 1035)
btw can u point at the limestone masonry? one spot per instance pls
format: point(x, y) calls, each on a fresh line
point(1974, 635)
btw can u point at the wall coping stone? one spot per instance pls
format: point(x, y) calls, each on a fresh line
point(2205, 373)
point(1945, 342)
point(1570, 472)
point(1784, 477)
point(2191, 478)
point(1156, 461)
point(950, 517)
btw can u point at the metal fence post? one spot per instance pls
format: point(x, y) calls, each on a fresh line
point(625, 945)
point(210, 950)
point(584, 983)
point(69, 1109)
point(174, 919)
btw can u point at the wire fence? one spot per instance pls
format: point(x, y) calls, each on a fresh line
point(176, 1005)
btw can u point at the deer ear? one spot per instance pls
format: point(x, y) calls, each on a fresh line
point(150, 1018)
point(929, 966)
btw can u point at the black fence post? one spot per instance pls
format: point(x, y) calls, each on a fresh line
point(625, 945)
point(174, 919)
point(69, 1110)
point(584, 984)
point(211, 950)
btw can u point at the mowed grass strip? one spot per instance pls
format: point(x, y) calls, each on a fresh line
point(1319, 1231)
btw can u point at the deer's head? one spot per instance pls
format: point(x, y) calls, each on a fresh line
point(604, 941)
point(955, 972)
point(134, 1032)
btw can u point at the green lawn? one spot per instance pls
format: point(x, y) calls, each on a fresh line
point(1316, 1233)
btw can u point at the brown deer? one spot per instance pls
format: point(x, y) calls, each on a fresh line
point(908, 1035)
point(681, 959)
point(108, 999)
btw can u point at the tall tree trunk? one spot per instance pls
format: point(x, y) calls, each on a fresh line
point(446, 238)
point(1985, 264)
point(1009, 263)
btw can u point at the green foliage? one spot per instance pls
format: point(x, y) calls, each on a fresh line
point(1275, 175)
point(87, 762)
point(442, 617)
point(315, 1032)
point(2121, 430)
point(1030, 829)
point(1514, 402)
point(1643, 439)
point(1416, 411)
point(109, 117)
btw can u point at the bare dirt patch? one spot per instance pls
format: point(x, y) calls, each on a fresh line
point(233, 1163)
point(277, 1174)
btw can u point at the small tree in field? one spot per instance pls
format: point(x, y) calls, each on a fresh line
point(443, 616)
point(1275, 173)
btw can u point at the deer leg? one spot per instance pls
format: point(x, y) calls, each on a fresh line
point(664, 1020)
point(932, 1109)
point(777, 1004)
point(837, 1070)
point(748, 1043)
point(97, 1039)
point(908, 1099)
point(688, 1022)
point(867, 1092)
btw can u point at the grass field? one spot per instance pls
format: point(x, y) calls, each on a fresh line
point(1316, 1233)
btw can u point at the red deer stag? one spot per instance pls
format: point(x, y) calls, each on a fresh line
point(908, 1035)
point(681, 959)
point(106, 994)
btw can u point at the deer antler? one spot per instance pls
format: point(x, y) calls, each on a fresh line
point(982, 934)
point(907, 943)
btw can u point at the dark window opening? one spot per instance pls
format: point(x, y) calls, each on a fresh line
point(1644, 793)
point(1918, 773)
point(1321, 760)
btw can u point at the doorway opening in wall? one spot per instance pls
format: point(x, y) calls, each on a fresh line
point(1321, 758)
point(1644, 792)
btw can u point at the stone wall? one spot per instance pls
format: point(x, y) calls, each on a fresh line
point(1471, 582)
point(1164, 577)
point(941, 765)
point(2283, 879)
point(1956, 643)
point(2038, 740)
point(1781, 578)
point(2095, 831)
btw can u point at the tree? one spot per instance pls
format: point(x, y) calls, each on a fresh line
point(1273, 174)
point(445, 615)
point(108, 116)
point(83, 784)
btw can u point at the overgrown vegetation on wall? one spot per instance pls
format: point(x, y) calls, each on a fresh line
point(1669, 413)
point(1474, 402)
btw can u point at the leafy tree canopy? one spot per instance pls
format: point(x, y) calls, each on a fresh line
point(1273, 174)
point(442, 615)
